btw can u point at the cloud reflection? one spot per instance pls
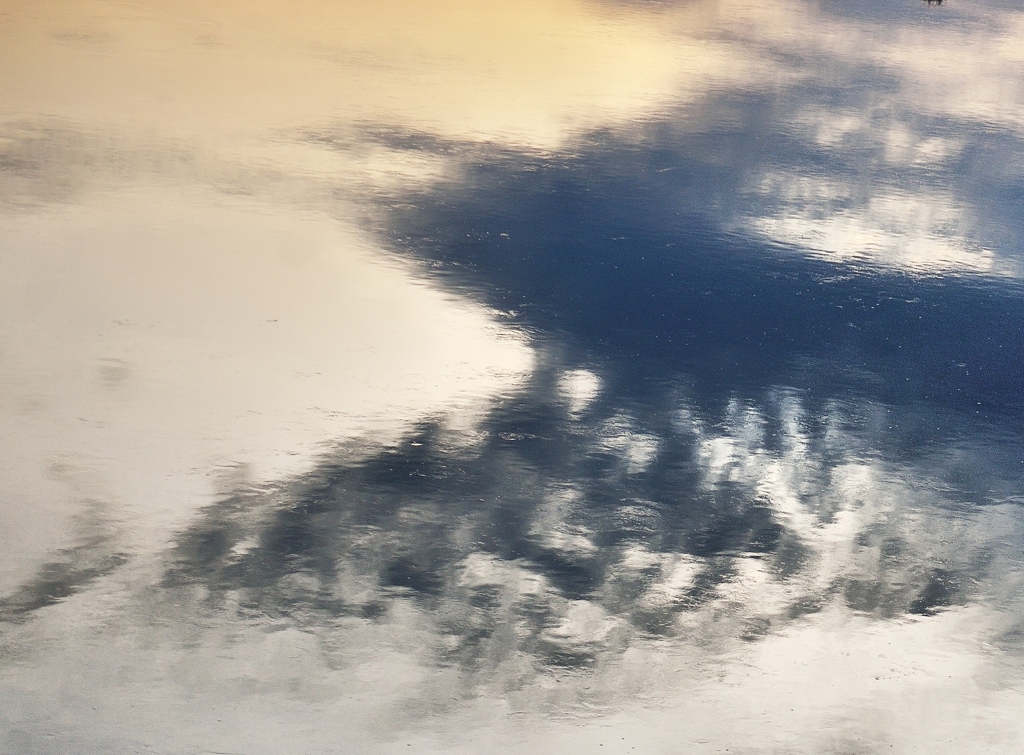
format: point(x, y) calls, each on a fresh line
point(893, 102)
point(771, 556)
point(732, 466)
point(548, 538)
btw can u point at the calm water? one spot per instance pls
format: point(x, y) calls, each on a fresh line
point(551, 376)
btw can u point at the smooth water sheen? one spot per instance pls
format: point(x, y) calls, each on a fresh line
point(545, 376)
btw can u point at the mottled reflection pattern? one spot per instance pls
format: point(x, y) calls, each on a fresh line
point(555, 376)
point(570, 525)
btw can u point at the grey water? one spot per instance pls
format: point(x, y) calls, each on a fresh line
point(570, 376)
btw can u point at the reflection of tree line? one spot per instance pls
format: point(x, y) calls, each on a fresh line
point(544, 538)
point(94, 554)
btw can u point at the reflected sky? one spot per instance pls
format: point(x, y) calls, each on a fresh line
point(574, 376)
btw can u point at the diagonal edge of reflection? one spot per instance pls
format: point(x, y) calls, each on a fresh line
point(563, 532)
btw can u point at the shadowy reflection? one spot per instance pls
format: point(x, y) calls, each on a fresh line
point(722, 437)
point(95, 554)
point(577, 520)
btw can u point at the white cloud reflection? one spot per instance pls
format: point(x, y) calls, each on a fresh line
point(920, 232)
point(579, 388)
point(890, 198)
point(249, 84)
point(835, 658)
point(163, 330)
point(215, 334)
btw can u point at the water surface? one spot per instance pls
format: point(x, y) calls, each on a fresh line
point(476, 377)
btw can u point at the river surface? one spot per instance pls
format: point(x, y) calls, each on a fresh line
point(544, 376)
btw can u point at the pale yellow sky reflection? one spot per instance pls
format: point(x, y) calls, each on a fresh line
point(528, 72)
